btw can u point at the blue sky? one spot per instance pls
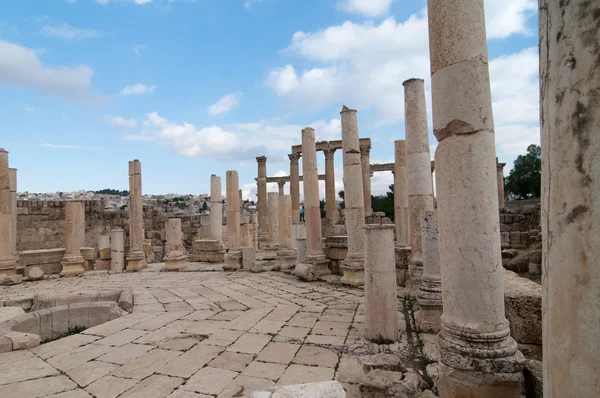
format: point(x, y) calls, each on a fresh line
point(196, 87)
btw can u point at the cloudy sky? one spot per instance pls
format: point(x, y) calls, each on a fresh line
point(196, 87)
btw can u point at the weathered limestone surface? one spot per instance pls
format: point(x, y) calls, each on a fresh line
point(8, 262)
point(324, 389)
point(286, 255)
point(315, 256)
point(295, 186)
point(500, 181)
point(381, 302)
point(354, 206)
point(365, 161)
point(136, 259)
point(13, 212)
point(330, 201)
point(175, 258)
point(418, 163)
point(216, 208)
point(233, 258)
point(273, 208)
point(570, 119)
point(478, 356)
point(117, 250)
point(401, 218)
point(523, 305)
point(72, 262)
point(263, 217)
point(429, 293)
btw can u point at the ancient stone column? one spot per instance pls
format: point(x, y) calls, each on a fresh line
point(295, 187)
point(401, 213)
point(500, 175)
point(8, 262)
point(175, 259)
point(329, 183)
point(13, 213)
point(103, 262)
point(418, 165)
point(429, 293)
point(273, 206)
point(211, 250)
point(72, 261)
point(233, 258)
point(136, 259)
point(191, 208)
point(315, 256)
point(365, 160)
point(286, 255)
point(281, 186)
point(353, 265)
point(570, 126)
point(241, 200)
point(381, 302)
point(477, 354)
point(263, 212)
point(117, 250)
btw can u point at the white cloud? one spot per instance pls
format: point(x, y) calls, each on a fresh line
point(142, 2)
point(507, 17)
point(370, 8)
point(20, 67)
point(62, 146)
point(68, 32)
point(120, 121)
point(102, 2)
point(138, 48)
point(138, 89)
point(225, 104)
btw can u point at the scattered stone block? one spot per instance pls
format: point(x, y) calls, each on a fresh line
point(5, 344)
point(385, 384)
point(10, 279)
point(325, 389)
point(8, 313)
point(382, 362)
point(248, 258)
point(34, 273)
point(523, 304)
point(306, 272)
point(126, 300)
point(23, 341)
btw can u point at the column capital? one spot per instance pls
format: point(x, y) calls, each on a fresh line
point(365, 150)
point(294, 157)
point(500, 167)
point(329, 153)
point(281, 183)
point(262, 160)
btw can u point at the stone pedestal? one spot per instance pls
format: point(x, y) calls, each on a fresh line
point(233, 257)
point(174, 259)
point(263, 211)
point(418, 163)
point(212, 250)
point(295, 187)
point(136, 259)
point(477, 354)
point(72, 262)
point(315, 256)
point(570, 109)
point(429, 293)
point(208, 251)
point(353, 265)
point(8, 262)
point(117, 250)
point(381, 302)
point(286, 255)
point(104, 255)
point(89, 255)
point(365, 161)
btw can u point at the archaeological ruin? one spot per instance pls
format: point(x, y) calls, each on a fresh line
point(460, 292)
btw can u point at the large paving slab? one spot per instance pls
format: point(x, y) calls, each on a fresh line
point(197, 335)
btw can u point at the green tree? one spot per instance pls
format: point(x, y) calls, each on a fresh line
point(384, 203)
point(341, 202)
point(322, 208)
point(525, 179)
point(204, 206)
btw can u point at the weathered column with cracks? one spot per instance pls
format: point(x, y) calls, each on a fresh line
point(136, 258)
point(263, 217)
point(233, 257)
point(365, 160)
point(72, 261)
point(286, 255)
point(8, 261)
point(429, 293)
point(401, 212)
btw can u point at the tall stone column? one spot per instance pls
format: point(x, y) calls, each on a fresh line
point(570, 126)
point(263, 212)
point(136, 259)
point(8, 262)
point(273, 206)
point(429, 293)
point(191, 208)
point(117, 250)
point(500, 176)
point(477, 354)
point(216, 209)
point(72, 261)
point(401, 213)
point(233, 258)
point(315, 256)
point(13, 213)
point(329, 183)
point(295, 187)
point(241, 201)
point(365, 160)
point(281, 186)
point(381, 299)
point(175, 259)
point(353, 266)
point(286, 255)
point(418, 164)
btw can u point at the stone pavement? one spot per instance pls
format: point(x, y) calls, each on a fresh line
point(204, 334)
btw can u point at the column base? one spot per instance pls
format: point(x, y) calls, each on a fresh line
point(415, 270)
point(8, 267)
point(136, 261)
point(429, 298)
point(233, 260)
point(263, 240)
point(319, 262)
point(286, 259)
point(462, 384)
point(354, 273)
point(175, 263)
point(428, 319)
point(208, 251)
point(72, 265)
